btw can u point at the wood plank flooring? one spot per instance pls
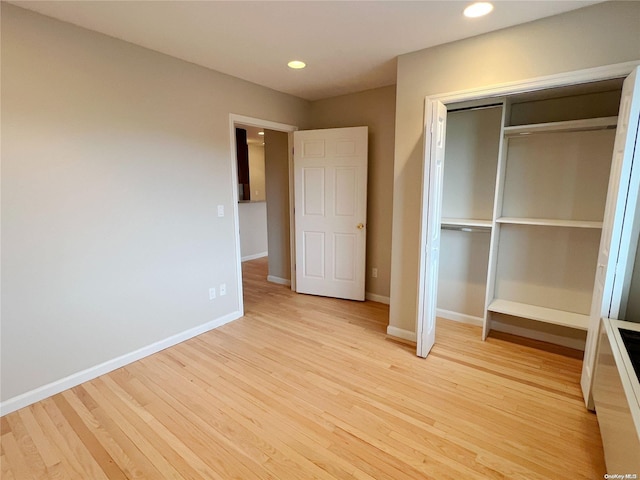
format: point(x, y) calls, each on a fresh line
point(305, 387)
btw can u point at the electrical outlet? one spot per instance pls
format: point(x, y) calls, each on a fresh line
point(212, 293)
point(223, 289)
point(374, 272)
point(221, 210)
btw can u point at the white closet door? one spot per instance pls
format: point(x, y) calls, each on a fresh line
point(435, 129)
point(617, 231)
point(630, 122)
point(330, 170)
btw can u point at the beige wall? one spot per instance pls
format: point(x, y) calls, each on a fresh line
point(256, 172)
point(375, 109)
point(252, 221)
point(114, 158)
point(276, 159)
point(602, 34)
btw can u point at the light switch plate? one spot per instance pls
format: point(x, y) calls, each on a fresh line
point(221, 210)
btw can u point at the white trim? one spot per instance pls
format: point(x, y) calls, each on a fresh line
point(75, 379)
point(258, 122)
point(537, 335)
point(292, 216)
point(400, 333)
point(254, 256)
point(253, 122)
point(539, 83)
point(279, 280)
point(374, 297)
point(459, 317)
point(236, 213)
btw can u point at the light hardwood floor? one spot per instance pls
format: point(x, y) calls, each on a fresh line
point(305, 387)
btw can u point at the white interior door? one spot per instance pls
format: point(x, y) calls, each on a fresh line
point(619, 227)
point(435, 130)
point(330, 179)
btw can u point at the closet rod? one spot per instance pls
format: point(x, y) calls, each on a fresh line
point(462, 228)
point(476, 107)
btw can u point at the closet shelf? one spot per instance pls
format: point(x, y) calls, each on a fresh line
point(550, 222)
point(567, 126)
point(465, 222)
point(541, 314)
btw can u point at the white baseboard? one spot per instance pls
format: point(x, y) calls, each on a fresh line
point(254, 256)
point(53, 388)
point(574, 343)
point(374, 297)
point(400, 333)
point(278, 280)
point(459, 317)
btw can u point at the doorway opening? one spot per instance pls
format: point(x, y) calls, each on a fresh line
point(263, 196)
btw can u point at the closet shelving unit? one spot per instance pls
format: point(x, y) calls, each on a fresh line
point(551, 193)
point(524, 191)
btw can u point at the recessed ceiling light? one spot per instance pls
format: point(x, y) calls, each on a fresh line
point(260, 133)
point(296, 64)
point(478, 9)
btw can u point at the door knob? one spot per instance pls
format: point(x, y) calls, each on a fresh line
point(360, 226)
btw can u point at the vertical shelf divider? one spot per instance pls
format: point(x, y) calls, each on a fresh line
point(495, 230)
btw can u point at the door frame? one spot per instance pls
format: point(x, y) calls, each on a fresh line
point(588, 75)
point(235, 119)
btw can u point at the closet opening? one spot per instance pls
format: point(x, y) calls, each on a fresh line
point(524, 187)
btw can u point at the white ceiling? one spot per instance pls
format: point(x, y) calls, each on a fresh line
point(348, 46)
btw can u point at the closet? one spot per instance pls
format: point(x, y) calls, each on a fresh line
point(524, 190)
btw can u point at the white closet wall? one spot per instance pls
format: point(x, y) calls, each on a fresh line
point(558, 175)
point(462, 277)
point(566, 103)
point(471, 159)
point(550, 267)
